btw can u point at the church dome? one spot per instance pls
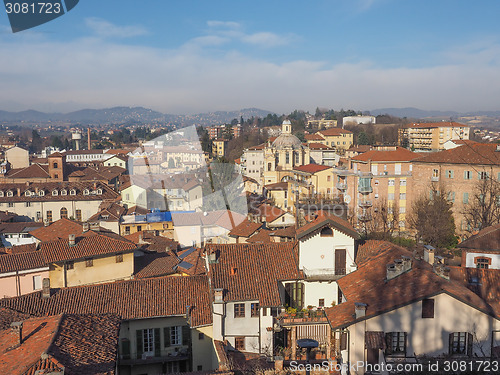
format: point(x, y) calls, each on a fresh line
point(287, 139)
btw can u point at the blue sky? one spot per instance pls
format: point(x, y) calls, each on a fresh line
point(198, 55)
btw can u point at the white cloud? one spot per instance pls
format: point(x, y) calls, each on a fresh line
point(266, 39)
point(224, 24)
point(99, 73)
point(106, 29)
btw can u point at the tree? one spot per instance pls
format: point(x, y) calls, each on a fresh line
point(385, 220)
point(36, 142)
point(483, 208)
point(432, 218)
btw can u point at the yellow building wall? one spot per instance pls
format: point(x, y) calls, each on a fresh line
point(203, 349)
point(104, 269)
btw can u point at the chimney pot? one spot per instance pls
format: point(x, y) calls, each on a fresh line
point(17, 331)
point(360, 309)
point(46, 288)
point(85, 227)
point(429, 254)
point(218, 294)
point(72, 240)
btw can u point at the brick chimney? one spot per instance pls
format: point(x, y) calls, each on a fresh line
point(16, 334)
point(85, 227)
point(399, 267)
point(46, 288)
point(72, 240)
point(441, 270)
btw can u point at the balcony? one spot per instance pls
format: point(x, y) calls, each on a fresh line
point(341, 186)
point(434, 179)
point(324, 273)
point(304, 316)
point(364, 217)
point(365, 189)
point(365, 204)
point(146, 360)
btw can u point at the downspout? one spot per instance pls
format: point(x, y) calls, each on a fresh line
point(18, 284)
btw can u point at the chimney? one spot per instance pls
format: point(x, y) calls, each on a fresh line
point(46, 288)
point(360, 309)
point(71, 240)
point(88, 139)
point(212, 258)
point(85, 227)
point(233, 271)
point(406, 263)
point(442, 271)
point(46, 223)
point(218, 295)
point(17, 333)
point(429, 254)
point(391, 271)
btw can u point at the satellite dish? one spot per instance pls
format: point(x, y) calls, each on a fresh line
point(347, 199)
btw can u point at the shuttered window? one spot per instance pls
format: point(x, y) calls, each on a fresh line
point(427, 308)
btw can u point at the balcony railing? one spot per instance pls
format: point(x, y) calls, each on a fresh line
point(293, 317)
point(324, 273)
point(365, 189)
point(341, 186)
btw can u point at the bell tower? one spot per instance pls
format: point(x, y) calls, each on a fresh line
point(56, 166)
point(286, 127)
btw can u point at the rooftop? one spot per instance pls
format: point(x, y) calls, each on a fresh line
point(477, 153)
point(312, 168)
point(400, 154)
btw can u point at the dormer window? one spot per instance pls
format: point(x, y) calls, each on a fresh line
point(10, 193)
point(1, 193)
point(55, 192)
point(64, 192)
point(27, 193)
point(99, 191)
point(72, 192)
point(86, 192)
point(41, 193)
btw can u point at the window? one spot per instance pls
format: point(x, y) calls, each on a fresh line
point(10, 193)
point(119, 258)
point(402, 182)
point(239, 310)
point(275, 311)
point(64, 213)
point(11, 204)
point(287, 158)
point(254, 310)
point(55, 192)
point(482, 175)
point(321, 302)
point(391, 182)
point(139, 228)
point(461, 343)
point(78, 215)
point(148, 342)
point(86, 192)
point(89, 262)
point(435, 173)
point(201, 336)
point(396, 343)
point(482, 263)
point(38, 215)
point(264, 311)
point(27, 204)
point(466, 198)
point(37, 282)
point(328, 178)
point(268, 166)
point(175, 335)
point(326, 232)
point(49, 216)
point(402, 196)
point(467, 175)
point(451, 196)
point(56, 175)
point(70, 265)
point(239, 343)
point(402, 210)
point(127, 230)
point(427, 308)
point(449, 174)
point(64, 192)
point(55, 165)
point(72, 192)
point(390, 196)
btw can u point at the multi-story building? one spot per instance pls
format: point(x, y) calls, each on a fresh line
point(377, 177)
point(339, 138)
point(432, 136)
point(460, 171)
point(219, 148)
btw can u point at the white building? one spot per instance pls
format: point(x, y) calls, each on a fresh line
point(357, 120)
point(482, 250)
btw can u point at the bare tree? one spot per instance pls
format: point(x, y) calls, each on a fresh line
point(385, 220)
point(432, 218)
point(483, 209)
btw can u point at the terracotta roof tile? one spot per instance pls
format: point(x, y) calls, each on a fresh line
point(251, 272)
point(262, 236)
point(400, 154)
point(363, 286)
point(312, 168)
point(478, 153)
point(487, 239)
point(267, 211)
point(319, 146)
point(153, 265)
point(324, 219)
point(245, 229)
point(333, 132)
point(277, 186)
point(194, 258)
point(132, 299)
point(21, 261)
point(313, 137)
point(19, 227)
point(88, 245)
point(33, 171)
point(288, 232)
point(61, 228)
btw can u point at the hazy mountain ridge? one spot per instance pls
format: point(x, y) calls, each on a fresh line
point(126, 114)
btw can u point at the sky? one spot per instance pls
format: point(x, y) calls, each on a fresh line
point(193, 56)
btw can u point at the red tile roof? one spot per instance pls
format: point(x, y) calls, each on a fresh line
point(267, 211)
point(478, 153)
point(400, 154)
point(288, 232)
point(21, 261)
point(245, 229)
point(313, 137)
point(149, 242)
point(370, 249)
point(154, 265)
point(363, 286)
point(19, 227)
point(75, 344)
point(132, 299)
point(277, 186)
point(33, 171)
point(312, 168)
point(319, 146)
point(484, 282)
point(487, 239)
point(88, 245)
point(324, 219)
point(251, 272)
point(262, 236)
point(333, 132)
point(61, 228)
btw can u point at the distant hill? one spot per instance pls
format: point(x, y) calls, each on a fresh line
point(117, 115)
